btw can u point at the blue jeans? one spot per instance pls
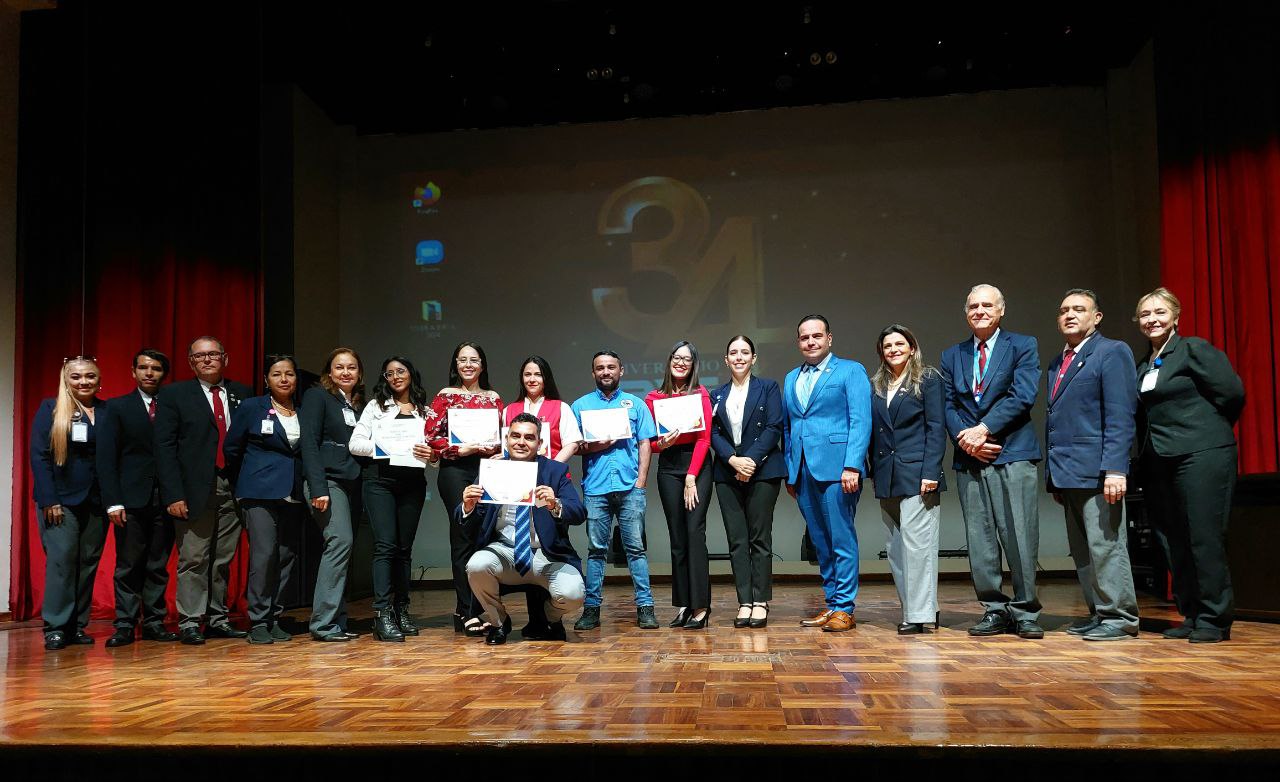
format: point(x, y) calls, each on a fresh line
point(628, 507)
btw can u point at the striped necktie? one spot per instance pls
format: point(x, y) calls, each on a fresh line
point(524, 541)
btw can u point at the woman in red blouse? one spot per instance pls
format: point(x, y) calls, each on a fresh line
point(460, 466)
point(684, 485)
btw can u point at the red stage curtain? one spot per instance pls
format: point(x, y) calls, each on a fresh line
point(138, 223)
point(1218, 83)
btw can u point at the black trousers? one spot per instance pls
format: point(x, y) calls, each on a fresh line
point(747, 510)
point(393, 500)
point(455, 476)
point(144, 546)
point(1189, 498)
point(690, 577)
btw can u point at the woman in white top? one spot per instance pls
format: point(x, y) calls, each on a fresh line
point(746, 436)
point(393, 494)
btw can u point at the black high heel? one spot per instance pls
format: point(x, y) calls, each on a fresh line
point(763, 621)
point(474, 627)
point(682, 616)
point(743, 621)
point(458, 625)
point(698, 624)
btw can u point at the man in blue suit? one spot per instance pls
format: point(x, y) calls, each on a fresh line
point(991, 382)
point(825, 438)
point(523, 545)
point(1092, 392)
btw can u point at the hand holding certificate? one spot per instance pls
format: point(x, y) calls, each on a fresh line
point(394, 438)
point(611, 423)
point(474, 427)
point(507, 482)
point(679, 414)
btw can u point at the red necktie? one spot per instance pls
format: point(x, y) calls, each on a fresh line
point(151, 410)
point(1067, 358)
point(219, 415)
point(982, 366)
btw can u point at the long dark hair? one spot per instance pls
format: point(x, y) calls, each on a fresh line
point(668, 382)
point(269, 361)
point(455, 380)
point(549, 390)
point(383, 394)
point(357, 392)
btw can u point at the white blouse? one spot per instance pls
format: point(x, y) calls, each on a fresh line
point(735, 406)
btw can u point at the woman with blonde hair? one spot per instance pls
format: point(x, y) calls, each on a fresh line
point(73, 526)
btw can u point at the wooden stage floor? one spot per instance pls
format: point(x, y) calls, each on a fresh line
point(783, 689)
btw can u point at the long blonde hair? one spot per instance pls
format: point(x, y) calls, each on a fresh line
point(915, 365)
point(66, 409)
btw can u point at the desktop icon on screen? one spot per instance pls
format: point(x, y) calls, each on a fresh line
point(429, 253)
point(425, 195)
point(432, 311)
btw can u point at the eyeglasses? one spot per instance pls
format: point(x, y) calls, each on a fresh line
point(68, 359)
point(390, 373)
point(682, 360)
point(208, 355)
point(469, 362)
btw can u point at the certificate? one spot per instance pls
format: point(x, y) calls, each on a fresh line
point(679, 413)
point(394, 438)
point(506, 482)
point(474, 427)
point(611, 423)
point(544, 446)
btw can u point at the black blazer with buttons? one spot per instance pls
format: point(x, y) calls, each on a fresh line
point(909, 439)
point(126, 452)
point(1197, 399)
point(325, 435)
point(762, 422)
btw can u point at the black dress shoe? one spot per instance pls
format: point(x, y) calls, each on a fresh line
point(498, 635)
point(911, 628)
point(1207, 635)
point(55, 641)
point(123, 636)
point(224, 631)
point(993, 623)
point(1182, 632)
point(191, 636)
point(1083, 626)
point(334, 637)
point(1028, 629)
point(1109, 633)
point(81, 638)
point(350, 636)
point(158, 634)
point(546, 631)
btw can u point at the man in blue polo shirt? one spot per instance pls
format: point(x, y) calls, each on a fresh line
point(613, 480)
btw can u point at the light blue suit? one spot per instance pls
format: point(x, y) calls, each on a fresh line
point(822, 439)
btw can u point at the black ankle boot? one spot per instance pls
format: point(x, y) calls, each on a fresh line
point(385, 627)
point(404, 621)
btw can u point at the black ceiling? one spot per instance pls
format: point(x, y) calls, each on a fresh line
point(416, 67)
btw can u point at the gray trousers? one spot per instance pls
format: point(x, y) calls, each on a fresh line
point(913, 552)
point(206, 544)
point(273, 527)
point(495, 564)
point(337, 527)
point(71, 553)
point(1001, 509)
point(1096, 536)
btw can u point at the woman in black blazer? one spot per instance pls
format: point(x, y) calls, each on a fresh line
point(333, 484)
point(1190, 398)
point(746, 436)
point(262, 455)
point(73, 527)
point(908, 442)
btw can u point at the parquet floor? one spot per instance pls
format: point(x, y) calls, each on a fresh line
point(782, 685)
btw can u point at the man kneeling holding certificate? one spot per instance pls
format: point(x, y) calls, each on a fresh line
point(524, 531)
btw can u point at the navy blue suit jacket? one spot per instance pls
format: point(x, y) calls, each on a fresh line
point(261, 466)
point(553, 533)
point(75, 481)
point(762, 422)
point(1090, 422)
point(909, 439)
point(1012, 384)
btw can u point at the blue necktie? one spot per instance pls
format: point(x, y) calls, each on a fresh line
point(808, 374)
point(524, 541)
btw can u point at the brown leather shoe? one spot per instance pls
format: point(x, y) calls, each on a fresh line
point(839, 622)
point(819, 620)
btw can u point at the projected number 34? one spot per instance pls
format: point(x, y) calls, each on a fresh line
point(733, 253)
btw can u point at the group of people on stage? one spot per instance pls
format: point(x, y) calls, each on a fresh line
point(196, 462)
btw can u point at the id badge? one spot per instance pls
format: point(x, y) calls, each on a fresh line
point(348, 416)
point(79, 432)
point(268, 427)
point(1148, 381)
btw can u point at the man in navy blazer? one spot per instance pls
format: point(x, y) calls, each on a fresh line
point(827, 431)
point(991, 382)
point(1092, 392)
point(523, 545)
